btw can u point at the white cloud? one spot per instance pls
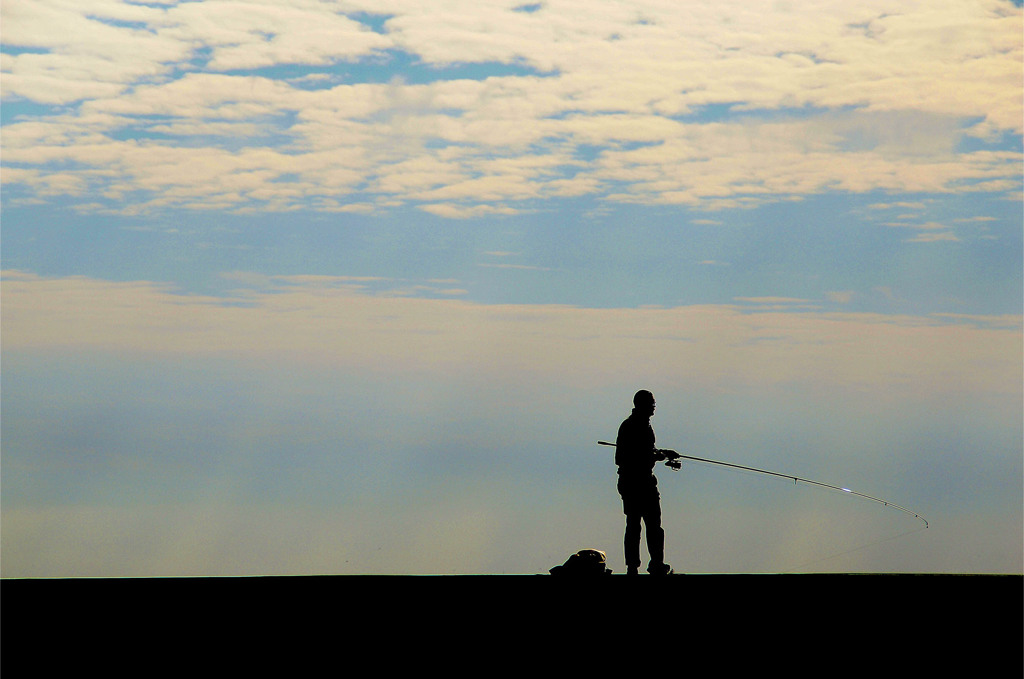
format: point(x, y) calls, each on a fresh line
point(840, 296)
point(900, 90)
point(288, 319)
point(246, 35)
point(934, 237)
point(466, 212)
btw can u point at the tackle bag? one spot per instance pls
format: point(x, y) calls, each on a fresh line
point(584, 562)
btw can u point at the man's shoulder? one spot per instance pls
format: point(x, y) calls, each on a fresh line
point(632, 424)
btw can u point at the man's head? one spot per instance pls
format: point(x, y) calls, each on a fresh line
point(643, 402)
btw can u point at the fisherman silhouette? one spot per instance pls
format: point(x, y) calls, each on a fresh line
point(635, 456)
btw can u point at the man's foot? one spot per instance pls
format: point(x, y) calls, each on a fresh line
point(661, 569)
point(632, 570)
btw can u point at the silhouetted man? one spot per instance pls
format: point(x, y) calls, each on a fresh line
point(636, 456)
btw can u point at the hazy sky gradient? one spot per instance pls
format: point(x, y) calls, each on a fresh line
point(354, 287)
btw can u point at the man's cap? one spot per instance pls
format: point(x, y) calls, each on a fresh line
point(643, 397)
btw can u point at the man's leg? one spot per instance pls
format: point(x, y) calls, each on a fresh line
point(632, 542)
point(655, 534)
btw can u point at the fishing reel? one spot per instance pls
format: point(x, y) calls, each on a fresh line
point(672, 460)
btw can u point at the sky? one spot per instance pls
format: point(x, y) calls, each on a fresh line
point(317, 287)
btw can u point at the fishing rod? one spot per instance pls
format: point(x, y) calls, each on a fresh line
point(672, 461)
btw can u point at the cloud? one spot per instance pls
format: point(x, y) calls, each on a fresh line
point(934, 237)
point(466, 212)
point(929, 232)
point(257, 433)
point(772, 300)
point(338, 322)
point(840, 297)
point(248, 35)
point(83, 50)
point(261, 427)
point(208, 105)
point(903, 205)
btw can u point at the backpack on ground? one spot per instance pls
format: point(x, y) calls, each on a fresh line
point(584, 562)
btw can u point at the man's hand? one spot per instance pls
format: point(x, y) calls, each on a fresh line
point(670, 457)
point(666, 454)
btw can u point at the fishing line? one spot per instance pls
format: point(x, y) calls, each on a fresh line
point(674, 457)
point(854, 549)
